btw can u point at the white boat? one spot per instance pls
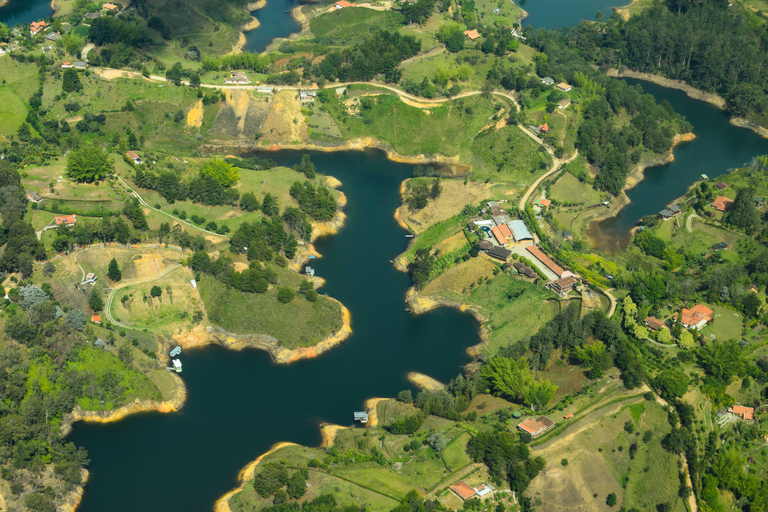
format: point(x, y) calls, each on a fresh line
point(177, 366)
point(176, 351)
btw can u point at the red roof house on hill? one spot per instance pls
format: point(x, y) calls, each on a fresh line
point(96, 319)
point(537, 426)
point(746, 413)
point(721, 203)
point(67, 220)
point(472, 34)
point(463, 490)
point(696, 317)
point(544, 127)
point(653, 323)
point(496, 230)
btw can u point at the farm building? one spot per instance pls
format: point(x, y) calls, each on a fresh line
point(546, 260)
point(109, 7)
point(720, 185)
point(37, 26)
point(67, 220)
point(564, 87)
point(525, 270)
point(519, 230)
point(500, 253)
point(96, 319)
point(544, 203)
point(563, 104)
point(33, 196)
point(472, 34)
point(668, 213)
point(53, 36)
point(721, 203)
point(463, 490)
point(67, 65)
point(485, 245)
point(563, 286)
point(81, 64)
point(342, 4)
point(537, 426)
point(719, 246)
point(237, 78)
point(696, 317)
point(547, 80)
point(498, 235)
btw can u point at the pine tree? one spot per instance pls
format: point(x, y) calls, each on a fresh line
point(96, 302)
point(113, 272)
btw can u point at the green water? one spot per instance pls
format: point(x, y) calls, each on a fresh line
point(19, 12)
point(718, 146)
point(240, 403)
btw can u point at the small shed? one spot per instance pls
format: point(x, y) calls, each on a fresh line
point(362, 417)
point(563, 104)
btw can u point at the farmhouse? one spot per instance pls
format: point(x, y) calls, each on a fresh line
point(721, 203)
point(463, 490)
point(81, 64)
point(96, 319)
point(696, 317)
point(720, 185)
point(746, 413)
point(67, 65)
point(342, 4)
point(66, 220)
point(563, 286)
point(536, 427)
point(525, 270)
point(672, 211)
point(498, 235)
point(544, 128)
point(37, 26)
point(564, 87)
point(34, 196)
point(519, 230)
point(109, 7)
point(472, 34)
point(500, 253)
point(547, 80)
point(305, 96)
point(237, 78)
point(133, 157)
point(563, 104)
point(719, 246)
point(544, 203)
point(653, 323)
point(546, 260)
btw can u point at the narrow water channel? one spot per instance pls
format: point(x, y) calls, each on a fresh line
point(718, 146)
point(240, 403)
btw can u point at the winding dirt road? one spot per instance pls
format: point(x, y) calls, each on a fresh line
point(108, 308)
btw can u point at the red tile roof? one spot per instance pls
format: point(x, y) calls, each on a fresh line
point(96, 318)
point(498, 234)
point(545, 202)
point(472, 34)
point(746, 413)
point(546, 260)
point(536, 426)
point(544, 127)
point(721, 203)
point(505, 231)
point(65, 219)
point(696, 314)
point(344, 3)
point(654, 323)
point(568, 416)
point(463, 490)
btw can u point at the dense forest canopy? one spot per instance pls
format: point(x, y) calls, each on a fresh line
point(706, 43)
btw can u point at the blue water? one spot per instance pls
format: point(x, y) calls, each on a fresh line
point(276, 21)
point(557, 14)
point(19, 12)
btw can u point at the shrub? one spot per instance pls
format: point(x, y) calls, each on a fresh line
point(564, 462)
point(285, 295)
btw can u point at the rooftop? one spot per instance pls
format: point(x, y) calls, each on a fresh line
point(695, 315)
point(472, 34)
point(536, 426)
point(654, 323)
point(546, 260)
point(519, 230)
point(463, 490)
point(721, 203)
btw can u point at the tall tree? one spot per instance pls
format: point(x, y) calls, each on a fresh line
point(89, 164)
point(742, 212)
point(113, 271)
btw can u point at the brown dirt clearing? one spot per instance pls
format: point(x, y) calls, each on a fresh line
point(451, 201)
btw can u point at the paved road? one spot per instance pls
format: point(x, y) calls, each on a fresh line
point(108, 308)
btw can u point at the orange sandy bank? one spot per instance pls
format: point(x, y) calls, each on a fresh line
point(329, 431)
point(246, 474)
point(425, 382)
point(371, 407)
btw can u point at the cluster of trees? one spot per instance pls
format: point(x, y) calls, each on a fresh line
point(262, 240)
point(275, 480)
point(252, 61)
point(21, 243)
point(421, 194)
point(707, 44)
point(505, 458)
point(379, 54)
point(87, 164)
point(513, 380)
point(317, 202)
point(212, 186)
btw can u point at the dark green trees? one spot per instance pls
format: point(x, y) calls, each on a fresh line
point(95, 300)
point(113, 271)
point(742, 213)
point(89, 164)
point(71, 81)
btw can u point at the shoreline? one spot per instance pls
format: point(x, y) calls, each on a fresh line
point(635, 176)
point(201, 336)
point(371, 407)
point(425, 382)
point(692, 92)
point(246, 474)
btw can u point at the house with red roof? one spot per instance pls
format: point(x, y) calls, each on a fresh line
point(544, 203)
point(343, 3)
point(746, 413)
point(472, 34)
point(463, 490)
point(66, 220)
point(96, 319)
point(544, 127)
point(697, 317)
point(536, 426)
point(721, 203)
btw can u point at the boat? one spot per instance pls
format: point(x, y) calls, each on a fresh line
point(176, 351)
point(177, 366)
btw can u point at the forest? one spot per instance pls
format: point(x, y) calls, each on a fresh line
point(708, 44)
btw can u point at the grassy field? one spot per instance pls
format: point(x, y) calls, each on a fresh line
point(299, 323)
point(345, 27)
point(425, 65)
point(570, 189)
point(509, 155)
point(597, 451)
point(509, 12)
point(509, 319)
point(726, 324)
point(19, 82)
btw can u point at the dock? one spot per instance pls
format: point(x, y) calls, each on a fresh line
point(362, 417)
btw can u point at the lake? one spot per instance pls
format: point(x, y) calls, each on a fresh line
point(240, 404)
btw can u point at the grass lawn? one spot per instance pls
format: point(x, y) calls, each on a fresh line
point(299, 323)
point(345, 27)
point(569, 189)
point(509, 13)
point(418, 67)
point(726, 324)
point(509, 155)
point(19, 82)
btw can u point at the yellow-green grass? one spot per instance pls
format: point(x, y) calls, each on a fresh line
point(569, 189)
point(509, 13)
point(176, 304)
point(18, 83)
point(508, 155)
point(703, 237)
point(164, 382)
point(447, 129)
point(299, 323)
point(417, 68)
point(343, 27)
point(427, 39)
point(455, 453)
point(726, 324)
point(638, 6)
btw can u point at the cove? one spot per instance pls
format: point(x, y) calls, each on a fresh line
point(239, 403)
point(19, 12)
point(718, 146)
point(276, 21)
point(556, 14)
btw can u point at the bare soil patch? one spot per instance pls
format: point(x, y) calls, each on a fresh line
point(454, 196)
point(461, 276)
point(284, 121)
